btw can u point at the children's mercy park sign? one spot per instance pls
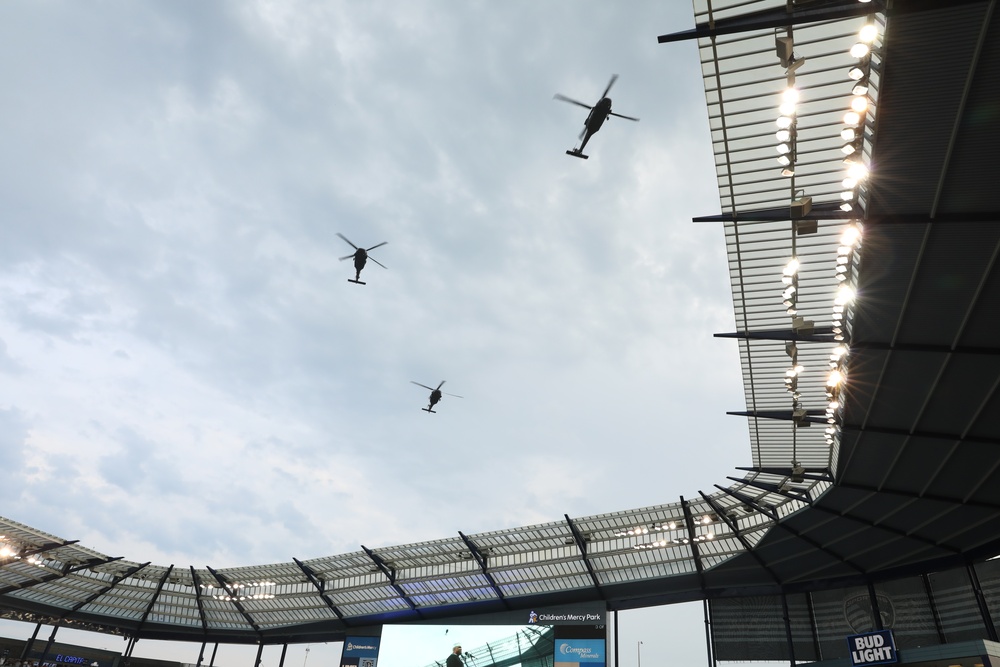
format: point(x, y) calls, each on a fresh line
point(872, 648)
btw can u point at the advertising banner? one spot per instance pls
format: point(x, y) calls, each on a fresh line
point(360, 652)
point(872, 648)
point(579, 652)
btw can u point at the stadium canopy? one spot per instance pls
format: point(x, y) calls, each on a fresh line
point(867, 312)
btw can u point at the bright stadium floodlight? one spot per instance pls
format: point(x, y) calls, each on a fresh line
point(856, 73)
point(861, 87)
point(868, 33)
point(852, 118)
point(789, 98)
point(859, 104)
point(851, 236)
point(860, 50)
point(784, 122)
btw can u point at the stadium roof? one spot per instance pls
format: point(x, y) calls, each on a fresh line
point(873, 414)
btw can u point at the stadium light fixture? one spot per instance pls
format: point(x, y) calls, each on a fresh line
point(800, 207)
point(783, 46)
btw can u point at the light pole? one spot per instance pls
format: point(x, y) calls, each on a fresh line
point(638, 654)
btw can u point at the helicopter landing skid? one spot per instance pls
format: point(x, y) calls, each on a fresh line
point(429, 410)
point(577, 154)
point(359, 282)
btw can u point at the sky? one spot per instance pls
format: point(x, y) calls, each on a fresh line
point(187, 377)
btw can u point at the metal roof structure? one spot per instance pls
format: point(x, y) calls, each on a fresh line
point(870, 385)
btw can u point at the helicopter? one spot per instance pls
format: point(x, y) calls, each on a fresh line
point(360, 257)
point(598, 114)
point(435, 395)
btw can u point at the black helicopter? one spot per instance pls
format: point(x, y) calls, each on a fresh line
point(598, 114)
point(360, 257)
point(435, 395)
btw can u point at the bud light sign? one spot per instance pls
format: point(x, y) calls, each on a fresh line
point(872, 648)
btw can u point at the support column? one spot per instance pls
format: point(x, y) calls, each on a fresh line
point(817, 647)
point(708, 633)
point(30, 642)
point(48, 644)
point(933, 606)
point(876, 612)
point(616, 639)
point(984, 610)
point(788, 630)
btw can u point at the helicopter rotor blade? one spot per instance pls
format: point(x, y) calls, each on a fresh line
point(346, 239)
point(377, 245)
point(614, 77)
point(377, 262)
point(346, 257)
point(440, 385)
point(612, 113)
point(563, 98)
point(452, 395)
point(422, 385)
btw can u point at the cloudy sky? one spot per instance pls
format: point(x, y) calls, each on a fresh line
point(187, 377)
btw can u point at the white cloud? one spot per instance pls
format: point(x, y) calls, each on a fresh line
point(195, 379)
